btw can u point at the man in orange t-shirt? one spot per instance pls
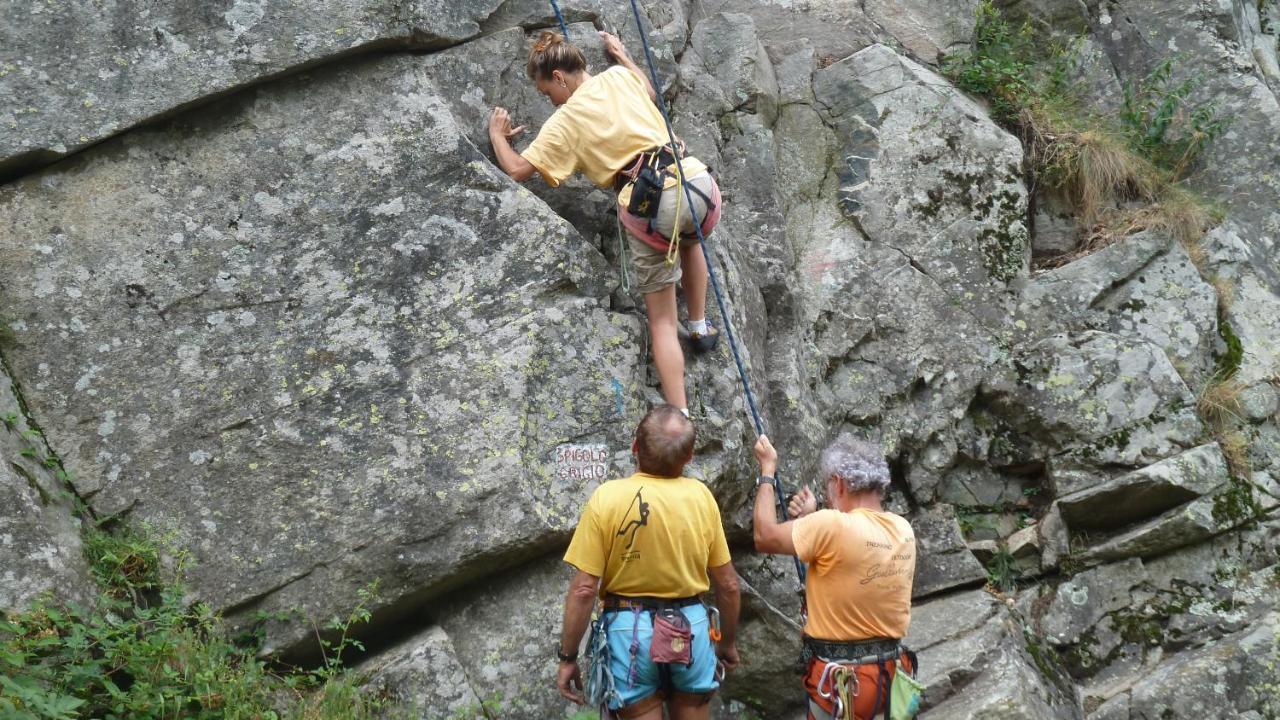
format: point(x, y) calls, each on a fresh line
point(861, 562)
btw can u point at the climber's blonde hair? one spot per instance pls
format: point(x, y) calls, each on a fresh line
point(552, 52)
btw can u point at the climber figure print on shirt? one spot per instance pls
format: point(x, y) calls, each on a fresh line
point(637, 517)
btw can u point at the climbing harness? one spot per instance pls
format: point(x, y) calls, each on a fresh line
point(838, 683)
point(671, 637)
point(780, 506)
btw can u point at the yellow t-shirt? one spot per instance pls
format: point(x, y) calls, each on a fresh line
point(650, 536)
point(861, 567)
point(607, 121)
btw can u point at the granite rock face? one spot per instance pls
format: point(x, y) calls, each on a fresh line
point(313, 367)
point(40, 549)
point(276, 299)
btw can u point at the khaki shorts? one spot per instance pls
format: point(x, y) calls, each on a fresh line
point(653, 274)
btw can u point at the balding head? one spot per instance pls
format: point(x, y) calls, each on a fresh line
point(664, 442)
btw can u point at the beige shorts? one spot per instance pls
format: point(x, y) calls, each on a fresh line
point(650, 265)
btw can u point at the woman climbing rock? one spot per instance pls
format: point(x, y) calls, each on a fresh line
point(607, 127)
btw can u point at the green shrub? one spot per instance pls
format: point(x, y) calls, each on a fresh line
point(142, 652)
point(998, 67)
point(1160, 123)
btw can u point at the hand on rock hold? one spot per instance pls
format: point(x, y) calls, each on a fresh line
point(613, 47)
point(500, 125)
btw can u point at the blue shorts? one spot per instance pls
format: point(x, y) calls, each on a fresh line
point(698, 677)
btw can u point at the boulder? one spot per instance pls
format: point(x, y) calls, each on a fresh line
point(951, 201)
point(1143, 287)
point(1146, 492)
point(423, 672)
point(504, 632)
point(943, 561)
point(978, 661)
point(834, 28)
point(1077, 604)
point(926, 30)
point(1024, 550)
point(1187, 524)
point(727, 47)
point(40, 550)
point(129, 62)
point(1243, 683)
point(1239, 255)
point(1080, 395)
point(835, 343)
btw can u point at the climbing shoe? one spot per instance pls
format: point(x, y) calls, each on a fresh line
point(704, 342)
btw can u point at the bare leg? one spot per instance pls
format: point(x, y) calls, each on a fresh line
point(680, 711)
point(668, 357)
point(654, 713)
point(694, 281)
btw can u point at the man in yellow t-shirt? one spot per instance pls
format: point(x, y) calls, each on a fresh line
point(648, 544)
point(606, 126)
point(862, 562)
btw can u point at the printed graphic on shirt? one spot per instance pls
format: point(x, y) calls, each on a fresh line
point(889, 574)
point(637, 516)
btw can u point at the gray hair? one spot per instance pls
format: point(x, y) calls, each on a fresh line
point(860, 464)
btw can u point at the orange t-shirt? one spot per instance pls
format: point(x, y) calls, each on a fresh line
point(861, 566)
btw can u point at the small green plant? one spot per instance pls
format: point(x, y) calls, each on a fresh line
point(10, 421)
point(1001, 573)
point(998, 65)
point(142, 652)
point(491, 707)
point(1160, 123)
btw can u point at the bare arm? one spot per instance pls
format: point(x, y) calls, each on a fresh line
point(770, 535)
point(500, 134)
point(577, 615)
point(728, 602)
point(616, 50)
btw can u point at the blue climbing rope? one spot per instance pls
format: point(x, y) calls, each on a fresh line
point(711, 272)
point(706, 254)
point(564, 29)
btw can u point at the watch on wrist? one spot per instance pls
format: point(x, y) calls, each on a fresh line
point(565, 658)
point(764, 480)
